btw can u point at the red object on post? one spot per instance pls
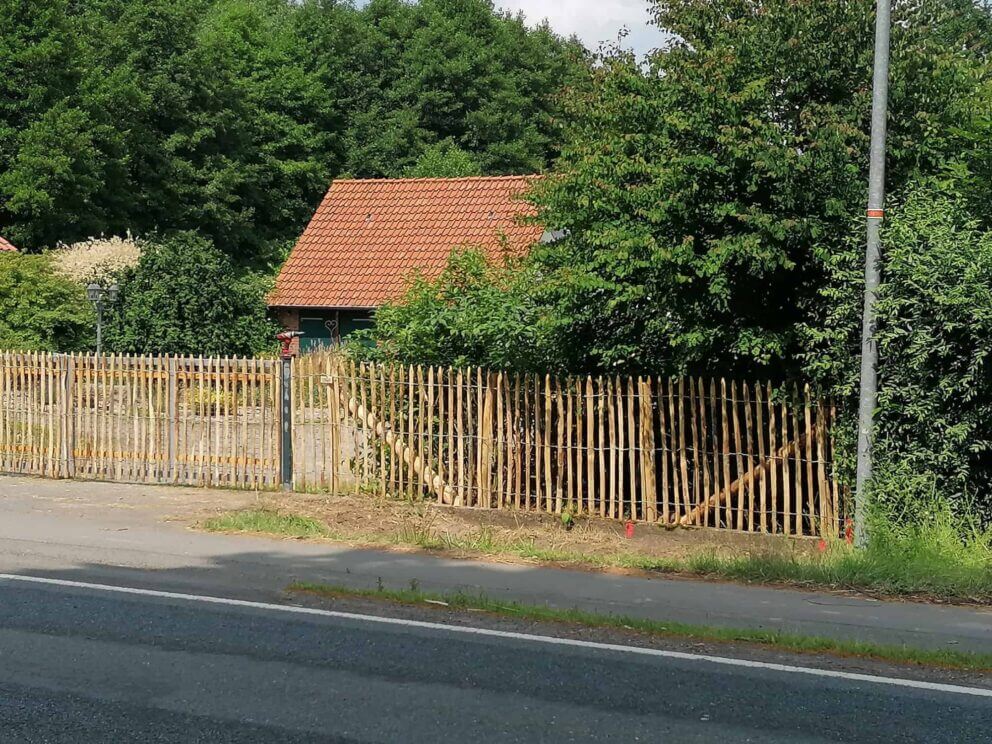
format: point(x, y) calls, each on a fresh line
point(629, 529)
point(286, 339)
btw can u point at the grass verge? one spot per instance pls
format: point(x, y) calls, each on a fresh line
point(935, 561)
point(268, 522)
point(957, 660)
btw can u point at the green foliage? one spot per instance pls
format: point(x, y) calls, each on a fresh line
point(972, 168)
point(454, 69)
point(40, 310)
point(929, 549)
point(443, 160)
point(699, 193)
point(51, 164)
point(186, 297)
point(268, 522)
point(476, 312)
point(934, 340)
point(701, 197)
point(230, 117)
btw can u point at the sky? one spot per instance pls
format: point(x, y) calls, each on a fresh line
point(593, 21)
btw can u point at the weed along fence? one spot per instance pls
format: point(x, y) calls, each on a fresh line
point(684, 452)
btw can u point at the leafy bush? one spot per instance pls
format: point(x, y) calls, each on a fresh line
point(444, 160)
point(934, 339)
point(477, 312)
point(186, 297)
point(696, 189)
point(40, 310)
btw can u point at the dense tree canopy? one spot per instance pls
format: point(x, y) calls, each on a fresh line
point(701, 194)
point(230, 117)
point(935, 342)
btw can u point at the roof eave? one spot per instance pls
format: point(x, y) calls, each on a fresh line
point(309, 306)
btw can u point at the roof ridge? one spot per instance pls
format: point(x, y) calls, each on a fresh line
point(434, 179)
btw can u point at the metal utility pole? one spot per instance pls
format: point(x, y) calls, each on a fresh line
point(876, 212)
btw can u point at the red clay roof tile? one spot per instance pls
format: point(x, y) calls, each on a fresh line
point(6, 245)
point(367, 236)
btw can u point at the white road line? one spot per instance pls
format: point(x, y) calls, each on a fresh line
point(488, 632)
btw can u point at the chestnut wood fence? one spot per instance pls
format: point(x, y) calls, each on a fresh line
point(713, 453)
point(192, 421)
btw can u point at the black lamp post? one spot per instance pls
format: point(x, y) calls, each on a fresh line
point(97, 294)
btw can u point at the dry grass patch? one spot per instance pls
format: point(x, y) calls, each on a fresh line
point(503, 535)
point(937, 561)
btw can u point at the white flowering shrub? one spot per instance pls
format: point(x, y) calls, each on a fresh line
point(96, 259)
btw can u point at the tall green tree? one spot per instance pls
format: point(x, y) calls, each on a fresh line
point(457, 70)
point(700, 193)
point(230, 117)
point(229, 132)
point(51, 161)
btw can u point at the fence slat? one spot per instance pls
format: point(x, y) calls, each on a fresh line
point(614, 453)
point(703, 444)
point(590, 450)
point(718, 484)
point(649, 502)
point(548, 482)
point(560, 448)
point(748, 466)
point(813, 527)
point(741, 495)
point(773, 474)
point(621, 447)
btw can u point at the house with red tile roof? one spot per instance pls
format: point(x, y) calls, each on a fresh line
point(368, 237)
point(6, 245)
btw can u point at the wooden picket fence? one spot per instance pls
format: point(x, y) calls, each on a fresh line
point(181, 420)
point(683, 452)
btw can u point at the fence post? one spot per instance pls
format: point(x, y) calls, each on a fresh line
point(172, 418)
point(68, 427)
point(286, 425)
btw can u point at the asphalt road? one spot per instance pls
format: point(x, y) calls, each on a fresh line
point(88, 665)
point(123, 534)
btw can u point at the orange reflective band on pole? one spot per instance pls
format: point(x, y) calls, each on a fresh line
point(876, 214)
